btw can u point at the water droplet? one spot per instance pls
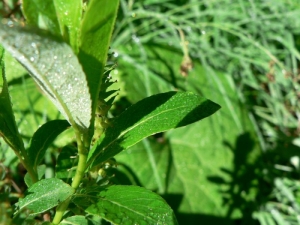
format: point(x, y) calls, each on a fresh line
point(10, 23)
point(116, 54)
point(188, 29)
point(135, 38)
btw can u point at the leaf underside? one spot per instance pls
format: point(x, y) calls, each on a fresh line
point(54, 67)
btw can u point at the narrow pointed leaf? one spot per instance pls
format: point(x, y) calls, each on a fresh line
point(69, 16)
point(96, 30)
point(41, 14)
point(151, 115)
point(132, 205)
point(43, 138)
point(45, 195)
point(55, 68)
point(8, 128)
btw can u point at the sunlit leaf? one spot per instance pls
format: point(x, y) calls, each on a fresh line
point(41, 14)
point(151, 115)
point(69, 18)
point(55, 69)
point(45, 195)
point(75, 220)
point(132, 205)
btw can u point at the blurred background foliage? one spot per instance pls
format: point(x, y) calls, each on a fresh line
point(240, 166)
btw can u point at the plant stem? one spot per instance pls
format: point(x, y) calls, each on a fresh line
point(82, 154)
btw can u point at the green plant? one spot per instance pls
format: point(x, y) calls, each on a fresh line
point(67, 64)
point(247, 52)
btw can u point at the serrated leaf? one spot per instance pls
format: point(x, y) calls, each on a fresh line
point(151, 115)
point(40, 172)
point(69, 16)
point(44, 195)
point(8, 128)
point(41, 14)
point(75, 220)
point(55, 68)
point(43, 138)
point(132, 205)
point(96, 30)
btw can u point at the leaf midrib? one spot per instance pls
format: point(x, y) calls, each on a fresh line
point(132, 127)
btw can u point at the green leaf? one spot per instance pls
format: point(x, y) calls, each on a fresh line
point(151, 115)
point(132, 205)
point(40, 171)
point(43, 138)
point(41, 14)
point(75, 220)
point(66, 162)
point(96, 30)
point(196, 156)
point(69, 16)
point(55, 69)
point(45, 195)
point(8, 128)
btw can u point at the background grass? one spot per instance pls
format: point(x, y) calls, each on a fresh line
point(241, 166)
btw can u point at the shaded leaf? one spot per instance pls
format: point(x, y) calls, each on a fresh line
point(55, 69)
point(66, 163)
point(96, 30)
point(132, 205)
point(43, 138)
point(151, 115)
point(44, 195)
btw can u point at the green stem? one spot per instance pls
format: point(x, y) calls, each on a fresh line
point(82, 154)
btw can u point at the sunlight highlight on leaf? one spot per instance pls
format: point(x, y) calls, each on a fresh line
point(55, 68)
